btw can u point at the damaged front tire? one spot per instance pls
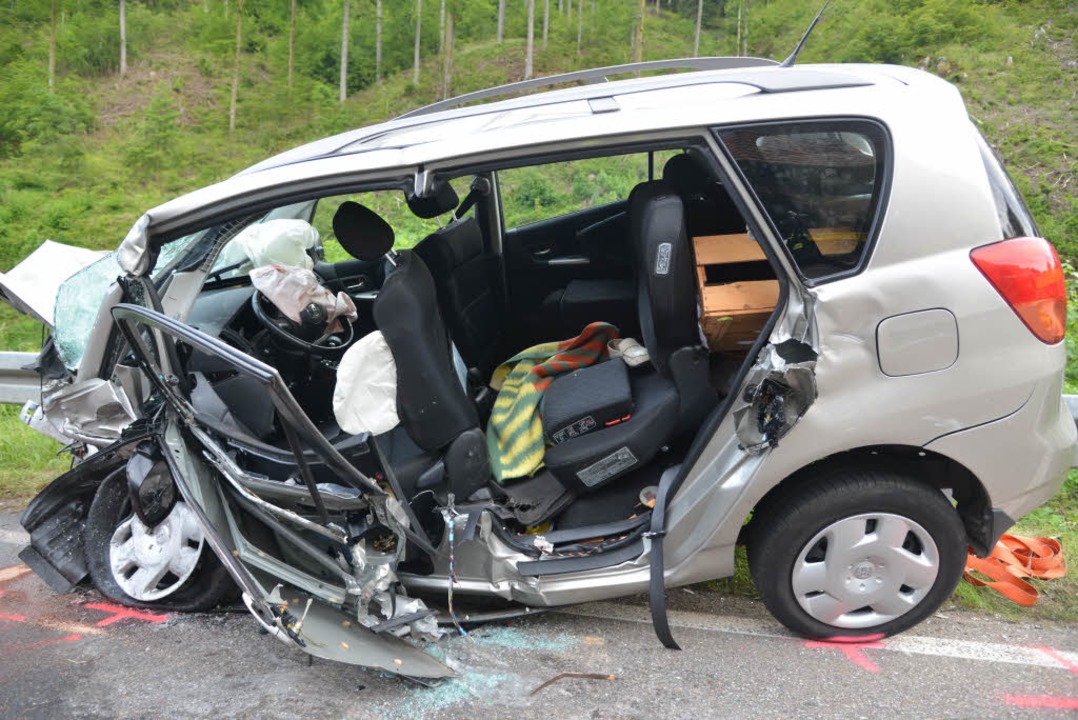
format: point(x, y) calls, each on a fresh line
point(167, 567)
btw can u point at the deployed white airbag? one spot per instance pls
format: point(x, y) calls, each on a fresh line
point(283, 242)
point(365, 398)
point(291, 289)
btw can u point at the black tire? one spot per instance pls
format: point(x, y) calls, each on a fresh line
point(208, 586)
point(832, 500)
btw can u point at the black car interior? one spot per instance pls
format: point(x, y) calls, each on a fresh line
point(453, 292)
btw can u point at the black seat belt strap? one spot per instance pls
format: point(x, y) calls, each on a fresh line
point(656, 533)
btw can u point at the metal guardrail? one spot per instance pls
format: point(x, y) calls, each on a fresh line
point(18, 385)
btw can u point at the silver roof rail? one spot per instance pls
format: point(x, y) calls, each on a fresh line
point(592, 76)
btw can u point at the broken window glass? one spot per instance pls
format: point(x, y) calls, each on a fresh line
point(77, 303)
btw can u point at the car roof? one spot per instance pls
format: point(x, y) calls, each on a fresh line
point(758, 75)
point(596, 114)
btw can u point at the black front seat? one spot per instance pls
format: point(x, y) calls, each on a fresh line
point(433, 408)
point(668, 398)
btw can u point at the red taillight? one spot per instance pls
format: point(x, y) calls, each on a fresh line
point(1027, 273)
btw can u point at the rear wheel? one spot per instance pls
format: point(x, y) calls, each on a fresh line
point(169, 567)
point(853, 553)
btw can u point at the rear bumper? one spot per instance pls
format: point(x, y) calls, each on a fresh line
point(1021, 459)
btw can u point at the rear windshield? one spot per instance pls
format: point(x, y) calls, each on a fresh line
point(820, 182)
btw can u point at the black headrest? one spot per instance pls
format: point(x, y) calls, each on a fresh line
point(686, 175)
point(361, 231)
point(439, 202)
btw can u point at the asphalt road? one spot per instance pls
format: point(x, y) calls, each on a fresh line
point(77, 656)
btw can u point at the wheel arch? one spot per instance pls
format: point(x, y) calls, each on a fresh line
point(968, 494)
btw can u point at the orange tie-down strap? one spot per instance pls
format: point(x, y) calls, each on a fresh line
point(1013, 559)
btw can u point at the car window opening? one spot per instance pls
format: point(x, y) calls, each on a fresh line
point(620, 396)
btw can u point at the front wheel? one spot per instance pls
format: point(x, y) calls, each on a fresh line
point(169, 567)
point(854, 553)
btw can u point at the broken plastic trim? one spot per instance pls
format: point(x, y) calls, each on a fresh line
point(779, 389)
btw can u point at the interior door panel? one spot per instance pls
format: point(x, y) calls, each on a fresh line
point(544, 256)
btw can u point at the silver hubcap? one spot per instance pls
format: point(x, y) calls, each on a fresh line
point(152, 564)
point(865, 570)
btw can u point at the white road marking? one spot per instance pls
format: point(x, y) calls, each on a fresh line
point(14, 537)
point(909, 644)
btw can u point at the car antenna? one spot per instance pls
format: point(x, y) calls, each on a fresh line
point(788, 62)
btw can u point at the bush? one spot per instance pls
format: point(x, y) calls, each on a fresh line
point(30, 112)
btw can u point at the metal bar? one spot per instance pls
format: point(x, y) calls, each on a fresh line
point(18, 385)
point(232, 472)
point(595, 75)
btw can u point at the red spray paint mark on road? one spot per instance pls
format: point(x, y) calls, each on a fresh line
point(1047, 702)
point(1058, 657)
point(13, 618)
point(51, 641)
point(118, 613)
point(852, 648)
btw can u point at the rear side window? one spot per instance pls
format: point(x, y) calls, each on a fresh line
point(820, 182)
point(1014, 217)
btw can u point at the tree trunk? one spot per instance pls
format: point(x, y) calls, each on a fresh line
point(52, 50)
point(638, 39)
point(529, 52)
point(123, 38)
point(378, 41)
point(739, 30)
point(699, 21)
point(501, 19)
point(447, 58)
point(291, 45)
point(345, 32)
point(546, 21)
point(579, 27)
point(745, 31)
point(441, 29)
point(418, 31)
point(236, 68)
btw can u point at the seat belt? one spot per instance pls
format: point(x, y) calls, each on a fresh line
point(657, 588)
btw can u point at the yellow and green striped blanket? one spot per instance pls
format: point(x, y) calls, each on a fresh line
point(515, 431)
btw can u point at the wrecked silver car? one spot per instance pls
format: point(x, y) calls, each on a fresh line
point(561, 348)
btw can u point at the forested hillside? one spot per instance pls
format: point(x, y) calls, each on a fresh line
point(210, 86)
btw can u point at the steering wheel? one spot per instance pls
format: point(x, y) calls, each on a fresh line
point(291, 333)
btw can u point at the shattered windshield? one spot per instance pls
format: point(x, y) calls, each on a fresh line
point(79, 299)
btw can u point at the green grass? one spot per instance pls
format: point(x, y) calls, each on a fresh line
point(28, 460)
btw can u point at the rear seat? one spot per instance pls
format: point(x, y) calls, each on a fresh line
point(709, 210)
point(470, 296)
